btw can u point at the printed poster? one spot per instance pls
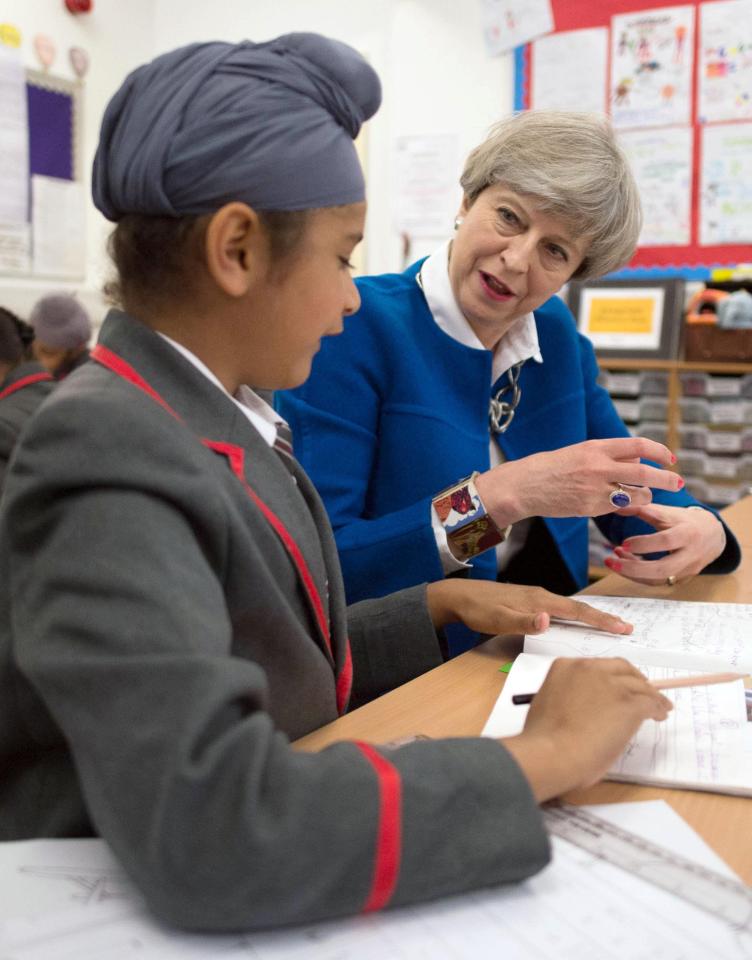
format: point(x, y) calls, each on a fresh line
point(427, 194)
point(661, 161)
point(726, 184)
point(651, 67)
point(725, 68)
point(629, 318)
point(569, 71)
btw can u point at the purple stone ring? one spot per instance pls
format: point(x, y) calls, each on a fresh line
point(619, 497)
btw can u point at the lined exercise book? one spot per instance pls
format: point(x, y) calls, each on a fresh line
point(706, 743)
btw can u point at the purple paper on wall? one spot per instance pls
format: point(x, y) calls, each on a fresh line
point(50, 132)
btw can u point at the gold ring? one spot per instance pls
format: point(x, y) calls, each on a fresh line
point(670, 581)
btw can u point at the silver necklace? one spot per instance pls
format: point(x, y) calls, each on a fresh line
point(501, 411)
point(504, 402)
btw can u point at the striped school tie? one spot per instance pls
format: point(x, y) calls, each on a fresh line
point(283, 441)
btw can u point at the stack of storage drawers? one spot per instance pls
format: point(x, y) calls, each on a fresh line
point(715, 435)
point(641, 399)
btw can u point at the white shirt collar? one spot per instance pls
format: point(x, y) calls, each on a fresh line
point(518, 344)
point(263, 417)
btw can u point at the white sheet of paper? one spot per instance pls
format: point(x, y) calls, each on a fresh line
point(661, 160)
point(508, 23)
point(725, 67)
point(700, 636)
point(704, 743)
point(427, 195)
point(577, 907)
point(651, 67)
point(58, 219)
point(15, 247)
point(569, 71)
point(14, 138)
point(726, 184)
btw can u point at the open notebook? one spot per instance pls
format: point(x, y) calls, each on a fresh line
point(706, 743)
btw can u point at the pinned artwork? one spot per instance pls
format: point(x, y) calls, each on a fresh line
point(79, 60)
point(45, 50)
point(651, 67)
point(507, 23)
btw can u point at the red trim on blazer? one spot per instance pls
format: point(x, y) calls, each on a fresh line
point(123, 369)
point(389, 830)
point(25, 382)
point(236, 457)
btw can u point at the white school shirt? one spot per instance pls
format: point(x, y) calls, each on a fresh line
point(519, 343)
point(263, 417)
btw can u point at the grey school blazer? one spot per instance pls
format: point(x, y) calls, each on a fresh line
point(22, 391)
point(159, 650)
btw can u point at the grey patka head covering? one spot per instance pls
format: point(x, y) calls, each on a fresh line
point(271, 124)
point(61, 322)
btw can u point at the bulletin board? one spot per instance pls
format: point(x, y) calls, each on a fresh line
point(51, 243)
point(693, 260)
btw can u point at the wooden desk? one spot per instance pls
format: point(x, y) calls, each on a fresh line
point(455, 700)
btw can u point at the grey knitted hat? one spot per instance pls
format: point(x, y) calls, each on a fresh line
point(61, 322)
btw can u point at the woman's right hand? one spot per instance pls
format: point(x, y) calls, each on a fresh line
point(581, 719)
point(576, 481)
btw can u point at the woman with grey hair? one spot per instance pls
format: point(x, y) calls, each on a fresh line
point(460, 410)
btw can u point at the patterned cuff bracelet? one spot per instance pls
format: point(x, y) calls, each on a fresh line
point(469, 529)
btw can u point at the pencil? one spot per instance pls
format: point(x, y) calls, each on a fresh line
point(699, 680)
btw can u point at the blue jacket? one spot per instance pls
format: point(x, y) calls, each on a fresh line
point(395, 410)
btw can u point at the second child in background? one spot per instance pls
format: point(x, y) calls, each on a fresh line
point(24, 383)
point(62, 329)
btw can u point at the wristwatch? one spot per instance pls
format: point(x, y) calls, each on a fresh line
point(469, 528)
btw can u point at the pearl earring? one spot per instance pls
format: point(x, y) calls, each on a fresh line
point(458, 221)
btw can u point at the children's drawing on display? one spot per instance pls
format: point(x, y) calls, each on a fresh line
point(651, 67)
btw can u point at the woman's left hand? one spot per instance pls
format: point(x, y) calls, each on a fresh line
point(692, 538)
point(489, 607)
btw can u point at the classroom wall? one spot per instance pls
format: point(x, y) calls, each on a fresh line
point(430, 55)
point(117, 36)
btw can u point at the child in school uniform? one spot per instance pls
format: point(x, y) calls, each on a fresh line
point(171, 605)
point(24, 384)
point(62, 329)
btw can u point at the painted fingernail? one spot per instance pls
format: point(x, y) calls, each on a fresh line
point(673, 458)
point(612, 564)
point(681, 484)
point(627, 545)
